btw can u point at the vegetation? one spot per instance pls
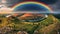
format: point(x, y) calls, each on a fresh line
point(16, 25)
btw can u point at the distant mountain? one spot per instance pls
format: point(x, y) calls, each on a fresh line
point(29, 17)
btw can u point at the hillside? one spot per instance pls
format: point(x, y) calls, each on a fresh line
point(14, 25)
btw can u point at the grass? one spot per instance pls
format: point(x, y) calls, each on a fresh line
point(29, 26)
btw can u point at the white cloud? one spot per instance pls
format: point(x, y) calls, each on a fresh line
point(4, 9)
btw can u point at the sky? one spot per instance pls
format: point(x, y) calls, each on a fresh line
point(55, 4)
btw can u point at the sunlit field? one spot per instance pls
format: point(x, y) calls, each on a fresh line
point(9, 25)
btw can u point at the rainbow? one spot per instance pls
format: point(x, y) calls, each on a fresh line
point(42, 4)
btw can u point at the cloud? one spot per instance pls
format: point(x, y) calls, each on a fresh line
point(5, 10)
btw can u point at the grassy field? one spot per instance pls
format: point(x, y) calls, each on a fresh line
point(43, 27)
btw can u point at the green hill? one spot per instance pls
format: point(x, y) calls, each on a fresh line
point(17, 25)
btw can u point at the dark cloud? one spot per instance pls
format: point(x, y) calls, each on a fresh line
point(55, 4)
point(0, 1)
point(58, 4)
point(13, 2)
point(48, 1)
